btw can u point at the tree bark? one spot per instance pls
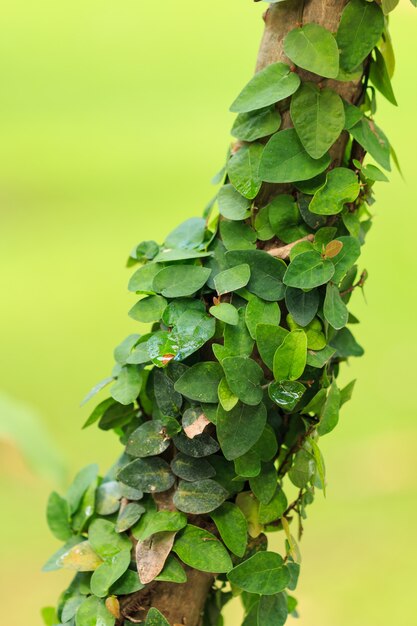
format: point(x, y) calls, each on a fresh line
point(183, 604)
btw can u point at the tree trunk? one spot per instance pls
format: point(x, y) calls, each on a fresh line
point(183, 604)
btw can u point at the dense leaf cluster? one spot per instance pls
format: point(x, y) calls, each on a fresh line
point(220, 406)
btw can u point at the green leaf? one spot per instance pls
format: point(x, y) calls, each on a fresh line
point(316, 339)
point(242, 169)
point(128, 583)
point(264, 573)
point(302, 305)
point(148, 440)
point(353, 115)
point(128, 516)
point(266, 273)
point(86, 508)
point(151, 475)
point(58, 515)
point(128, 385)
point(167, 399)
point(318, 116)
point(202, 550)
point(232, 279)
point(260, 312)
point(313, 48)
point(176, 309)
point(199, 497)
point(232, 526)
point(237, 235)
point(227, 399)
point(176, 281)
point(380, 77)
point(191, 331)
point(345, 259)
point(334, 309)
point(197, 447)
point(272, 84)
point(373, 140)
point(249, 464)
point(360, 29)
point(155, 618)
point(109, 572)
point(225, 312)
point(237, 340)
point(309, 270)
point(232, 204)
point(268, 339)
point(321, 357)
point(104, 539)
point(273, 510)
point(345, 344)
point(157, 522)
point(80, 484)
point(318, 457)
point(341, 186)
point(256, 124)
point(273, 610)
point(149, 309)
point(290, 357)
point(116, 415)
point(284, 159)
point(80, 558)
point(243, 377)
point(108, 497)
point(200, 382)
point(262, 224)
point(285, 219)
point(92, 612)
point(303, 469)
point(239, 429)
point(226, 475)
point(330, 413)
point(249, 507)
point(188, 235)
point(142, 279)
point(173, 571)
point(265, 483)
point(100, 385)
point(286, 393)
point(49, 615)
point(190, 468)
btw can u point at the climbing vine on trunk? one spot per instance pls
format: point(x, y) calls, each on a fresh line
point(220, 407)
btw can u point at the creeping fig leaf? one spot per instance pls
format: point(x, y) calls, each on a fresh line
point(284, 160)
point(200, 549)
point(200, 382)
point(318, 116)
point(359, 31)
point(308, 270)
point(242, 169)
point(256, 124)
point(177, 281)
point(313, 48)
point(239, 429)
point(272, 84)
point(200, 496)
point(341, 186)
point(264, 573)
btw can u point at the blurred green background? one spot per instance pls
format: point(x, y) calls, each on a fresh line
point(113, 119)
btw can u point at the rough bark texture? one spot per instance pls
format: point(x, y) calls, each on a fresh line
point(183, 604)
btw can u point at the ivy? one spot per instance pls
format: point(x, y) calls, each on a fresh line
point(223, 401)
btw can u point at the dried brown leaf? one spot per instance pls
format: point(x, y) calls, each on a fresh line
point(197, 427)
point(151, 555)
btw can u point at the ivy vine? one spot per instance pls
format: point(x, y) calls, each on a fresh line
point(220, 407)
